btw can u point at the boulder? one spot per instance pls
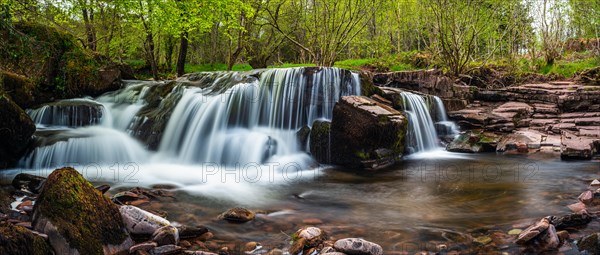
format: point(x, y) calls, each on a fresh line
point(533, 231)
point(571, 220)
point(320, 141)
point(19, 240)
point(166, 235)
point(16, 129)
point(357, 246)
point(69, 113)
point(302, 136)
point(77, 218)
point(590, 243)
point(366, 134)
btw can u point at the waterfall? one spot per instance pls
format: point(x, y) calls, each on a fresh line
point(88, 145)
point(421, 134)
point(254, 120)
point(123, 105)
point(68, 113)
point(443, 125)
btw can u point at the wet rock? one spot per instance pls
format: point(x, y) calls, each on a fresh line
point(251, 246)
point(69, 113)
point(237, 214)
point(187, 232)
point(141, 222)
point(587, 197)
point(595, 184)
point(302, 136)
point(320, 141)
point(19, 240)
point(549, 239)
point(332, 253)
point(515, 231)
point(474, 142)
point(307, 238)
point(590, 243)
point(103, 188)
point(130, 198)
point(16, 130)
point(275, 252)
point(563, 236)
point(577, 207)
point(166, 235)
point(357, 246)
point(533, 231)
point(571, 220)
point(199, 253)
point(77, 218)
point(28, 182)
point(166, 250)
point(145, 246)
point(482, 240)
point(361, 128)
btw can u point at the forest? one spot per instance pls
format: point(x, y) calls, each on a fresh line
point(163, 38)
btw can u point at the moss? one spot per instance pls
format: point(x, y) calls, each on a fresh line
point(367, 87)
point(18, 240)
point(85, 217)
point(19, 87)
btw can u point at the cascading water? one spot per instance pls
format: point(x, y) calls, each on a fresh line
point(421, 132)
point(443, 125)
point(251, 122)
point(68, 113)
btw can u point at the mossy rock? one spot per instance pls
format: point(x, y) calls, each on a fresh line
point(320, 142)
point(16, 129)
point(77, 217)
point(18, 240)
point(18, 87)
point(367, 87)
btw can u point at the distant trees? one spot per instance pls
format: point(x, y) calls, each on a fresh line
point(167, 34)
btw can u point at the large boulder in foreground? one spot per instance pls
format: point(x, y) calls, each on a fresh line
point(16, 129)
point(366, 134)
point(77, 218)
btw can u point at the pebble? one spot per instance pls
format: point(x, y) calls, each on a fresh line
point(237, 214)
point(357, 246)
point(166, 235)
point(166, 250)
point(145, 246)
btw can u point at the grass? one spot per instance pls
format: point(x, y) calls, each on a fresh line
point(288, 65)
point(569, 69)
point(355, 64)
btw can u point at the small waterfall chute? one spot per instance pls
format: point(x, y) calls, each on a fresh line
point(421, 132)
point(443, 126)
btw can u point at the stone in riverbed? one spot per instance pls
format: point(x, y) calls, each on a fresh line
point(320, 141)
point(595, 184)
point(141, 222)
point(307, 238)
point(586, 197)
point(145, 246)
point(549, 239)
point(533, 231)
point(574, 147)
point(590, 243)
point(166, 235)
point(166, 250)
point(577, 207)
point(29, 182)
point(358, 246)
point(237, 214)
point(474, 141)
point(77, 218)
point(571, 220)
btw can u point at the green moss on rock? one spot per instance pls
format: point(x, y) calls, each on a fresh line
point(82, 215)
point(367, 87)
point(18, 240)
point(16, 129)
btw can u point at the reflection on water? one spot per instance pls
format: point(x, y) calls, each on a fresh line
point(421, 201)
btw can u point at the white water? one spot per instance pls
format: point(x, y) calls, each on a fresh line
point(442, 117)
point(68, 113)
point(421, 131)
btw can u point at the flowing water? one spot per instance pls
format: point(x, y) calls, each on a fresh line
point(231, 141)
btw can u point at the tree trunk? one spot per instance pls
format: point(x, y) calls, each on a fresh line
point(183, 47)
point(150, 55)
point(88, 17)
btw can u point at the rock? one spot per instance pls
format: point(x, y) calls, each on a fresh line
point(103, 188)
point(77, 218)
point(532, 231)
point(571, 220)
point(474, 142)
point(16, 130)
point(366, 134)
point(595, 184)
point(563, 236)
point(145, 246)
point(251, 246)
point(200, 253)
point(587, 197)
point(69, 113)
point(141, 222)
point(166, 250)
point(187, 232)
point(28, 182)
point(237, 214)
point(483, 240)
point(19, 240)
point(590, 243)
point(302, 136)
point(574, 147)
point(577, 207)
point(357, 246)
point(320, 141)
point(332, 253)
point(515, 231)
point(129, 198)
point(307, 238)
point(275, 252)
point(549, 239)
point(166, 235)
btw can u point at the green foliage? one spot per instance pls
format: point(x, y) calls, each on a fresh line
point(193, 68)
point(569, 69)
